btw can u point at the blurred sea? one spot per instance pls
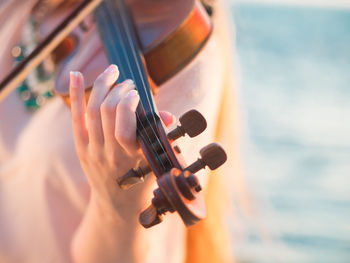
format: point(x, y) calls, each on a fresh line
point(294, 90)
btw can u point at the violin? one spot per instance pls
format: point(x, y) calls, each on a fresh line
point(149, 65)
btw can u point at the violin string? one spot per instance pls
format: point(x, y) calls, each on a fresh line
point(131, 72)
point(126, 24)
point(122, 71)
point(137, 115)
point(129, 38)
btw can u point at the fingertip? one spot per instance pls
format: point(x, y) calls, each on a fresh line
point(167, 117)
point(76, 79)
point(107, 77)
point(112, 69)
point(125, 129)
point(128, 82)
point(113, 72)
point(132, 94)
point(133, 97)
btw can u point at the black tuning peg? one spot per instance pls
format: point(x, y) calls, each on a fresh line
point(213, 156)
point(153, 215)
point(133, 176)
point(150, 217)
point(192, 122)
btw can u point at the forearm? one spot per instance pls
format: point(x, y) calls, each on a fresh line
point(106, 236)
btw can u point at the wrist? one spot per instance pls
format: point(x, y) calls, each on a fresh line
point(124, 205)
point(111, 211)
point(105, 235)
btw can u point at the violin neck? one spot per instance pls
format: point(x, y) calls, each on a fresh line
point(122, 48)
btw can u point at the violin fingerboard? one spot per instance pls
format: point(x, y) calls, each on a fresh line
point(118, 35)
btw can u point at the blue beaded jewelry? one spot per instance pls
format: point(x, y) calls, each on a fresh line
point(39, 85)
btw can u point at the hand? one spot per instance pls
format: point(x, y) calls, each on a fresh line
point(105, 134)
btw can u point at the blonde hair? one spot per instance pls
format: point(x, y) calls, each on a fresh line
point(209, 240)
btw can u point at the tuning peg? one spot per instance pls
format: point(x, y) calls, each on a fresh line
point(213, 156)
point(192, 122)
point(133, 177)
point(153, 214)
point(150, 217)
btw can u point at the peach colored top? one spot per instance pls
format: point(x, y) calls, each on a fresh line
point(43, 190)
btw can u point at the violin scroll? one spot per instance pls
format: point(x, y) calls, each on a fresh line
point(179, 190)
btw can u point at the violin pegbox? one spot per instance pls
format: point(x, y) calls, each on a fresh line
point(180, 190)
point(192, 123)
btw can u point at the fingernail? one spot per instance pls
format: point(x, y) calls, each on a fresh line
point(172, 116)
point(133, 97)
point(112, 69)
point(129, 82)
point(75, 78)
point(132, 94)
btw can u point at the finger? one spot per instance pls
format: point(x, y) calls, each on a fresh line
point(125, 126)
point(78, 106)
point(109, 107)
point(167, 117)
point(99, 91)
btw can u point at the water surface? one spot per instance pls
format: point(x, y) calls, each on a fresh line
point(295, 99)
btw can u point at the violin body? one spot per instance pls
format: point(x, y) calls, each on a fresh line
point(169, 42)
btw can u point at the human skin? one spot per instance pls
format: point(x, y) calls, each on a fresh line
point(111, 124)
point(105, 139)
point(105, 154)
